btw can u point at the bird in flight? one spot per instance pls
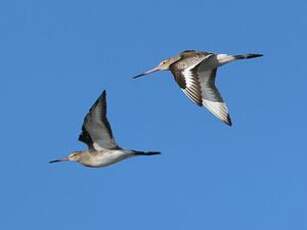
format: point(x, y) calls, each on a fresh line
point(195, 73)
point(97, 135)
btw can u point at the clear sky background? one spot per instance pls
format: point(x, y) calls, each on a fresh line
point(57, 56)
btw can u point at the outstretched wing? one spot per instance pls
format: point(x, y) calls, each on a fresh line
point(212, 98)
point(96, 129)
point(197, 80)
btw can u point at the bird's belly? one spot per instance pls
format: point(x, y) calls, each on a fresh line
point(105, 159)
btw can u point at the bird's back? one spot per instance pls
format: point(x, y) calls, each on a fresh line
point(188, 59)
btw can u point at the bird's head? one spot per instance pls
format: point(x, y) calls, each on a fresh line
point(74, 156)
point(163, 65)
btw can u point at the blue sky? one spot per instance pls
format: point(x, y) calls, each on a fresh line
point(57, 56)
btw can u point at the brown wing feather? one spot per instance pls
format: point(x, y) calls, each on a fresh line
point(190, 84)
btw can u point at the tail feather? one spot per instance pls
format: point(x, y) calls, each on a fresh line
point(141, 153)
point(247, 56)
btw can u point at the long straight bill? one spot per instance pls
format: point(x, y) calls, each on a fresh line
point(59, 160)
point(147, 72)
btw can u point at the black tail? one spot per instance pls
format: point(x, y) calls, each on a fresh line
point(141, 153)
point(247, 56)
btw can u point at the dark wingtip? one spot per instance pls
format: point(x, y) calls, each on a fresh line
point(101, 97)
point(104, 93)
point(228, 121)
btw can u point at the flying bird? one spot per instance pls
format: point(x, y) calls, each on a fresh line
point(97, 135)
point(195, 73)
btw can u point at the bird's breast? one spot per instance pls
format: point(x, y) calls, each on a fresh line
point(105, 158)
